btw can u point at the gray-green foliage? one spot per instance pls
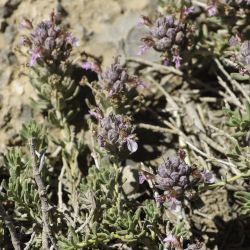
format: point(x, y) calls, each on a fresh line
point(20, 188)
point(240, 121)
point(112, 218)
point(56, 93)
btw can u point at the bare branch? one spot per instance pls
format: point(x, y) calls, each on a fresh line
point(46, 234)
point(8, 222)
point(156, 66)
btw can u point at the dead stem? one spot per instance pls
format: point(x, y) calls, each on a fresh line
point(156, 128)
point(8, 222)
point(233, 97)
point(46, 234)
point(165, 93)
point(156, 66)
point(59, 193)
point(232, 81)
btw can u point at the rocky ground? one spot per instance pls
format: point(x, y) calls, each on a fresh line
point(107, 28)
point(104, 28)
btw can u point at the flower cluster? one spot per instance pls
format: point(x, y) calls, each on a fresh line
point(215, 6)
point(167, 35)
point(242, 57)
point(47, 42)
point(116, 85)
point(116, 79)
point(174, 241)
point(178, 180)
point(115, 134)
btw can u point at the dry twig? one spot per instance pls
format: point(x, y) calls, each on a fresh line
point(156, 66)
point(232, 81)
point(8, 222)
point(47, 233)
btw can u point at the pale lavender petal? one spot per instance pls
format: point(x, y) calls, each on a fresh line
point(96, 115)
point(142, 178)
point(212, 10)
point(175, 205)
point(188, 10)
point(140, 22)
point(26, 24)
point(160, 198)
point(166, 62)
point(142, 84)
point(132, 145)
point(87, 65)
point(142, 49)
point(91, 66)
point(171, 239)
point(233, 41)
point(25, 41)
point(34, 56)
point(177, 60)
point(72, 40)
point(207, 176)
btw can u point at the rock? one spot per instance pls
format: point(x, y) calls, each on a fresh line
point(135, 5)
point(8, 57)
point(8, 8)
point(14, 137)
point(5, 77)
point(10, 34)
point(130, 173)
point(18, 87)
point(5, 12)
point(133, 41)
point(5, 118)
point(26, 113)
point(3, 25)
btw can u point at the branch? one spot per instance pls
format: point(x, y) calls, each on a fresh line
point(156, 66)
point(7, 220)
point(46, 234)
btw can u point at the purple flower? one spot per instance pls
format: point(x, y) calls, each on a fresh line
point(91, 66)
point(141, 83)
point(115, 135)
point(144, 21)
point(35, 54)
point(117, 87)
point(25, 41)
point(26, 24)
point(51, 43)
point(188, 10)
point(72, 39)
point(95, 114)
point(234, 40)
point(171, 239)
point(212, 9)
point(177, 60)
point(142, 49)
point(142, 178)
point(166, 62)
point(174, 204)
point(87, 65)
point(195, 246)
point(207, 176)
point(132, 145)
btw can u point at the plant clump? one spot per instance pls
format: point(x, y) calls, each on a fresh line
point(47, 42)
point(178, 180)
point(168, 35)
point(116, 135)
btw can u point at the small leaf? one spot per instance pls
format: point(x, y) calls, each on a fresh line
point(240, 77)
